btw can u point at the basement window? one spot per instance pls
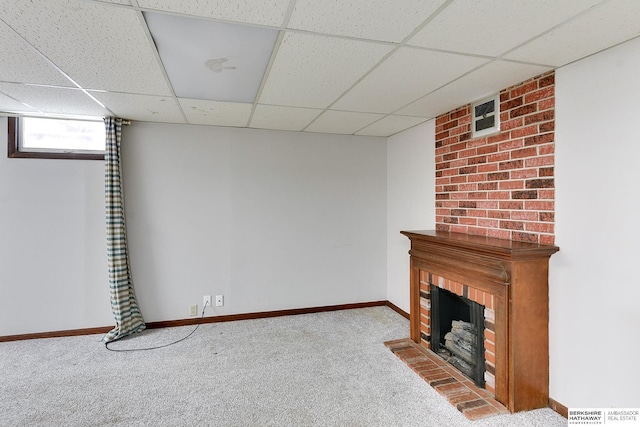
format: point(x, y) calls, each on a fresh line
point(53, 138)
point(486, 116)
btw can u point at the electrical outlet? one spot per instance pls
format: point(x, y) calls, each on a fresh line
point(193, 310)
point(219, 300)
point(206, 301)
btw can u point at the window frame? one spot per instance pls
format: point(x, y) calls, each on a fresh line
point(13, 147)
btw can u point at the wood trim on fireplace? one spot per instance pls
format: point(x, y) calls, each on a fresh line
point(516, 274)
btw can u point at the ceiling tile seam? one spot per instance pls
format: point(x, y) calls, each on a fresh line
point(371, 112)
point(287, 14)
point(154, 49)
point(384, 58)
point(370, 124)
point(118, 92)
point(535, 64)
point(39, 85)
point(424, 23)
point(304, 129)
point(20, 102)
point(410, 127)
point(265, 76)
point(86, 92)
point(376, 41)
point(555, 27)
point(390, 135)
point(507, 60)
point(387, 56)
point(179, 98)
point(269, 104)
point(343, 37)
point(206, 18)
point(251, 24)
point(637, 36)
point(404, 42)
point(443, 86)
point(362, 77)
point(286, 19)
point(55, 66)
point(450, 52)
point(285, 22)
point(109, 4)
point(284, 26)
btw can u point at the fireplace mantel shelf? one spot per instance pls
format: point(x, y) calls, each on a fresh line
point(516, 274)
point(499, 248)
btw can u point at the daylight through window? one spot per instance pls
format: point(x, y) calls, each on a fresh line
point(56, 138)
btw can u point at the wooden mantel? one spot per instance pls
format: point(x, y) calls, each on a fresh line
point(516, 274)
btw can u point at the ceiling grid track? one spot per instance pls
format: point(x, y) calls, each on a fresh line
point(272, 59)
point(387, 56)
point(152, 43)
point(55, 66)
point(363, 67)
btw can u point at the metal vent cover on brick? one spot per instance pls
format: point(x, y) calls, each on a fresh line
point(485, 116)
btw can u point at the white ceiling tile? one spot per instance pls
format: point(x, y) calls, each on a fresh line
point(390, 125)
point(53, 100)
point(283, 118)
point(312, 71)
point(374, 19)
point(482, 82)
point(10, 105)
point(142, 107)
point(405, 76)
point(492, 27)
point(125, 2)
point(342, 122)
point(603, 26)
point(266, 12)
point(203, 112)
point(21, 63)
point(103, 45)
point(213, 60)
point(98, 45)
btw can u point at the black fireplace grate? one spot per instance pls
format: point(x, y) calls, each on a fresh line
point(457, 332)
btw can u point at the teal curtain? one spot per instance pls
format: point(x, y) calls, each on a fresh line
point(123, 300)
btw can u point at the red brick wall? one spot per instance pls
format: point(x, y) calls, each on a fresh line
point(500, 185)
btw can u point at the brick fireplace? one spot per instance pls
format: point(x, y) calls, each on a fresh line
point(494, 234)
point(510, 279)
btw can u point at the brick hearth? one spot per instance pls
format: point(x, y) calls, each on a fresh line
point(473, 402)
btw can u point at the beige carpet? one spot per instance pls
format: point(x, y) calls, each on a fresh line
point(326, 369)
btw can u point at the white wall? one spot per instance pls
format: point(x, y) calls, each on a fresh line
point(594, 279)
point(410, 201)
point(271, 220)
point(53, 269)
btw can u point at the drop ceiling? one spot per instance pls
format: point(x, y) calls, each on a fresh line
point(363, 67)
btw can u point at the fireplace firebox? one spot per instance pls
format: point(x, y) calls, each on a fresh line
point(457, 332)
